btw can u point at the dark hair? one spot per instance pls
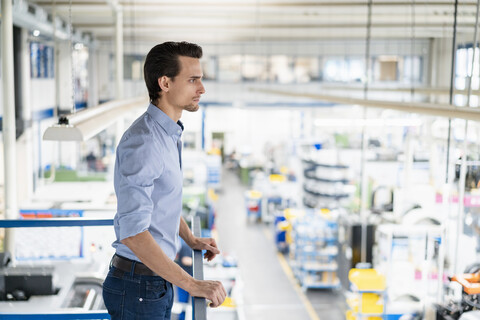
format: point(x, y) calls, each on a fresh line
point(162, 60)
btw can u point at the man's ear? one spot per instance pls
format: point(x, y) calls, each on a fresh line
point(164, 83)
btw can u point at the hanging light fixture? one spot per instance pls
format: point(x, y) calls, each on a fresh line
point(83, 125)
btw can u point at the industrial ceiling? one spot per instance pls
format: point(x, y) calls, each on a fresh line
point(221, 21)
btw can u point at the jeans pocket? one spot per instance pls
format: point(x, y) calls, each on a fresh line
point(155, 302)
point(155, 290)
point(114, 296)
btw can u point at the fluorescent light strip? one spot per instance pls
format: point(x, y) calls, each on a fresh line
point(91, 121)
point(367, 122)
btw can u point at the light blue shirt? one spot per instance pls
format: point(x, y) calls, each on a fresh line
point(148, 182)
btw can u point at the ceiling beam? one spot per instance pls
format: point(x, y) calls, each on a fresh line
point(440, 110)
point(222, 3)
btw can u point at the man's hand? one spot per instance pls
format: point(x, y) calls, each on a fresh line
point(211, 290)
point(195, 243)
point(208, 244)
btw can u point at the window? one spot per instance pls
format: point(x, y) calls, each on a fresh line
point(386, 68)
point(306, 69)
point(230, 68)
point(41, 60)
point(254, 68)
point(133, 67)
point(412, 69)
point(281, 69)
point(210, 67)
point(463, 67)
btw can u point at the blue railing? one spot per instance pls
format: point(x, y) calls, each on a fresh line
point(56, 316)
point(55, 222)
point(198, 304)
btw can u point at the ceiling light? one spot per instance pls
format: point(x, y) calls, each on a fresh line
point(85, 124)
point(78, 46)
point(36, 33)
point(367, 122)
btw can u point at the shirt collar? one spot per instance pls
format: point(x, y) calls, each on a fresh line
point(170, 127)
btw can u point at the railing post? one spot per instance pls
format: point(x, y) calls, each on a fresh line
point(199, 304)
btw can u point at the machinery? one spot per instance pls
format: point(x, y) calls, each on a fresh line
point(467, 308)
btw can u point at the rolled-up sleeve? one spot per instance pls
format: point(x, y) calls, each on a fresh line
point(139, 163)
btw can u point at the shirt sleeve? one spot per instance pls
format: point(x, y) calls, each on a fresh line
point(139, 163)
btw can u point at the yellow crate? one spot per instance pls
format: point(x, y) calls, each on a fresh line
point(349, 315)
point(366, 279)
point(292, 213)
point(277, 178)
point(253, 194)
point(371, 303)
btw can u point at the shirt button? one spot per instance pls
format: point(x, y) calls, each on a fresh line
point(140, 299)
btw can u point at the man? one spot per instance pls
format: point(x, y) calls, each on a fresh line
point(148, 185)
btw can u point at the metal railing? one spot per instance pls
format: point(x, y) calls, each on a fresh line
point(90, 315)
point(199, 304)
point(55, 222)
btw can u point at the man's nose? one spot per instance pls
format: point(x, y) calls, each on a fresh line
point(201, 89)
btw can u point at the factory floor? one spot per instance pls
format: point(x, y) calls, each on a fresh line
point(270, 290)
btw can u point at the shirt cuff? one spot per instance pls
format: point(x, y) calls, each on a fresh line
point(133, 224)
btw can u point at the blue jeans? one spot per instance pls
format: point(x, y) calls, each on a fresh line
point(130, 296)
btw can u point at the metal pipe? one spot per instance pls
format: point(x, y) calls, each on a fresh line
point(363, 173)
point(475, 44)
point(441, 110)
point(419, 90)
point(199, 304)
point(463, 166)
point(26, 144)
point(452, 84)
point(72, 66)
point(56, 63)
point(9, 142)
point(412, 52)
point(119, 53)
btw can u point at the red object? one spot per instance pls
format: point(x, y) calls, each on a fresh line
point(469, 281)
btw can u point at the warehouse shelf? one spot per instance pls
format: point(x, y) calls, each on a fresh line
point(368, 295)
point(315, 251)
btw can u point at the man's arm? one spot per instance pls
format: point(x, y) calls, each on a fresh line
point(195, 243)
point(149, 252)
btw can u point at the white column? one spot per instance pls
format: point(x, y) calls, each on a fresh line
point(92, 77)
point(119, 53)
point(9, 150)
point(25, 141)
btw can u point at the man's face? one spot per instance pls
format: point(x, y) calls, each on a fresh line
point(187, 86)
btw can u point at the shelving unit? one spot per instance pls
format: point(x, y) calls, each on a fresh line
point(214, 171)
point(366, 306)
point(368, 298)
point(314, 251)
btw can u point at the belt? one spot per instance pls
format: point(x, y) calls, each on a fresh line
point(125, 265)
